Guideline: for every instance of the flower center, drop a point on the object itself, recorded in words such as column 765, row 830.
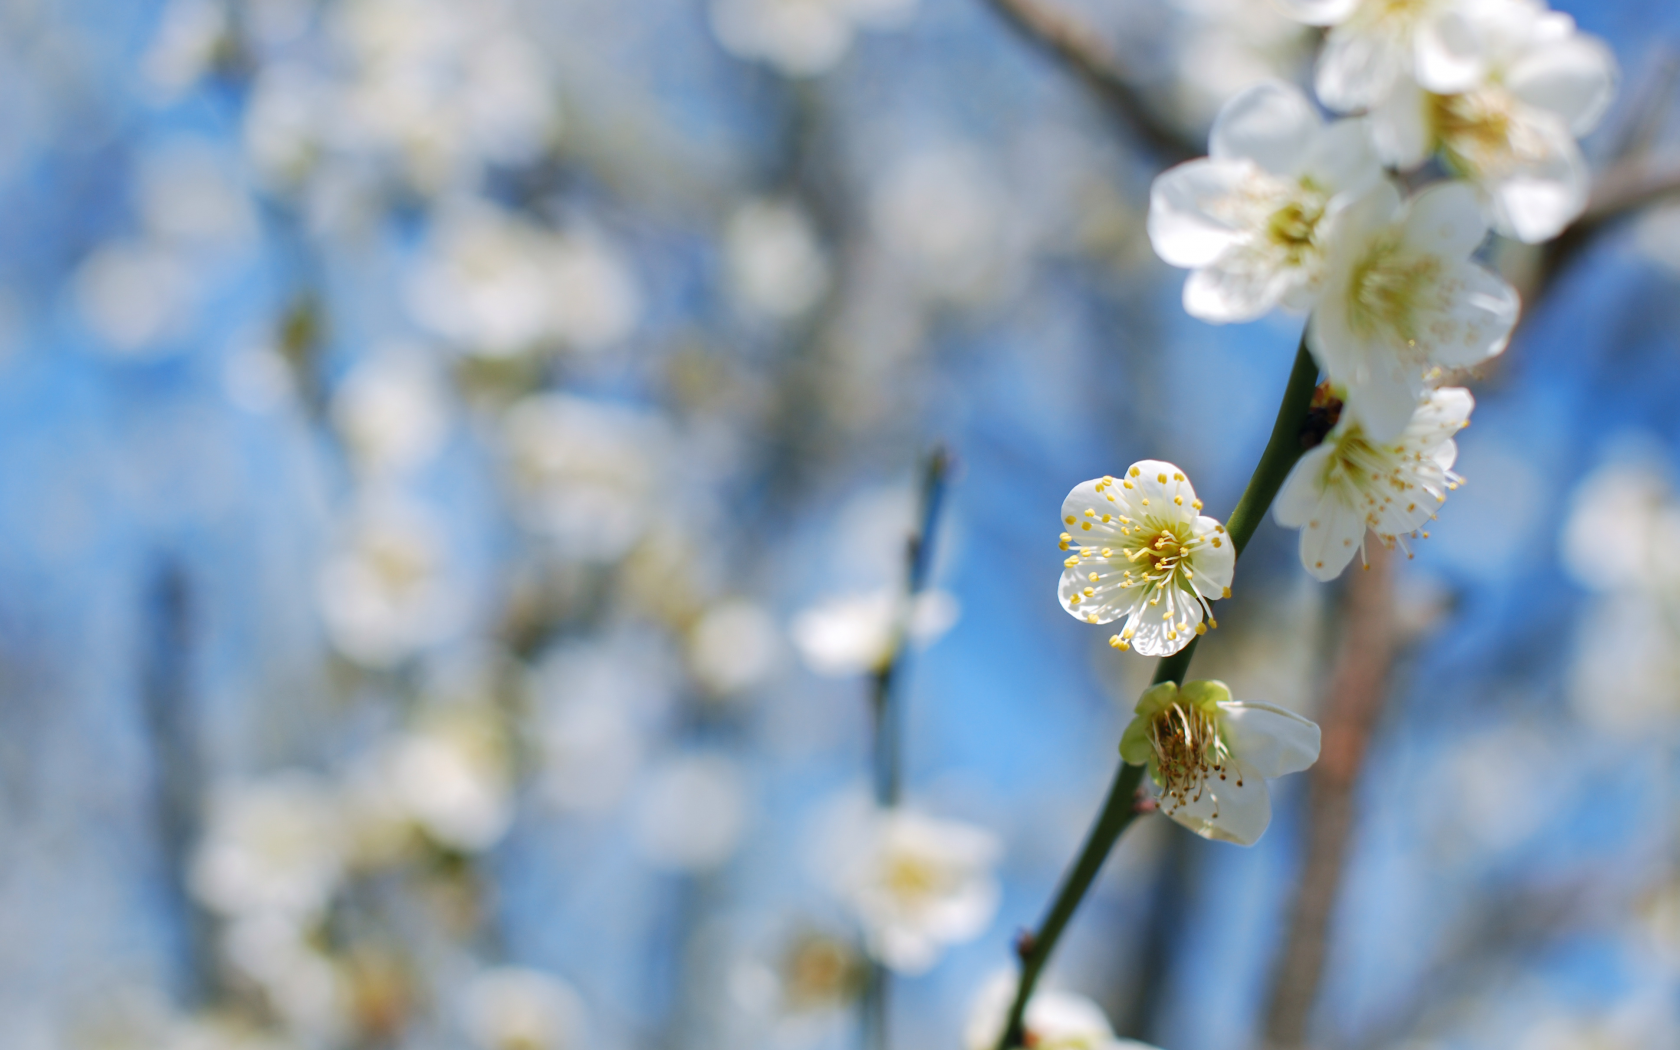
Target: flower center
column 1188, row 749
column 1387, row 288
column 1291, row 227
column 1482, row 131
column 912, row 878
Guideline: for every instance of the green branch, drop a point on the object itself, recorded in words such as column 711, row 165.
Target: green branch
column 1280, row 455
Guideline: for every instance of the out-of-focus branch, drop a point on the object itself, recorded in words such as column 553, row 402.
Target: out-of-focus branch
column 1353, row 703
column 1079, row 47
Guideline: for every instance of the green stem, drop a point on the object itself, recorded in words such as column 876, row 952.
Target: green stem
column 1280, row 455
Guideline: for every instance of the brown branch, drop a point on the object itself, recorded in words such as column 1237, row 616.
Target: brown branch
column 1086, row 54
column 1353, row 703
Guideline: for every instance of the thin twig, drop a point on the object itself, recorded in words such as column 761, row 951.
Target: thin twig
column 1084, row 52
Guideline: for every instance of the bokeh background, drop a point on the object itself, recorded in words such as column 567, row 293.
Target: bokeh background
column 469, row 447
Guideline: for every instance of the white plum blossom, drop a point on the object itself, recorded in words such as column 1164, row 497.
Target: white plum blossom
column 512, row 1008
column 272, row 846
column 386, row 593
column 854, row 634
column 776, row 264
column 1377, row 46
column 1253, row 219
column 1054, row 1020
column 1511, row 130
column 1402, row 297
column 1140, row 548
column 1210, row 756
column 916, row 883
column 1349, row 483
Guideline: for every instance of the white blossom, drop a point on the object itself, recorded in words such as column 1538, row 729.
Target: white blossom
column 1375, row 46
column 801, row 37
column 1053, row 1020
column 385, row 594
column 1511, row 130
column 776, row 266
column 450, row 776
column 393, row 411
column 1403, row 297
column 1349, row 483
column 1253, row 218
column 917, row 884
column 1210, row 756
column 271, row 846
column 853, row 634
column 513, row 1008
column 1141, row 549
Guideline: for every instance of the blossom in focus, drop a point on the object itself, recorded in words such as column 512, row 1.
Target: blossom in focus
column 916, row 883
column 1140, row 548
column 1054, row 1020
column 1511, row 131
column 1210, row 756
column 1402, row 297
column 1375, row 46
column 801, row 37
column 1349, row 483
column 512, row 1008
column 1252, row 219
column 853, row 635
column 270, row 846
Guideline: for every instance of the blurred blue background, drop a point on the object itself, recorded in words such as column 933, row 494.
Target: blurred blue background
column 432, row 435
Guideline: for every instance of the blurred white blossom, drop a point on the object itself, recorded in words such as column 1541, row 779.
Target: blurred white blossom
column 854, row 634
column 1141, row 549
column 777, row 268
column 733, row 647
column 450, row 775
column 942, row 214
column 385, row 594
column 1054, row 1019
column 273, row 845
column 393, row 410
column 801, row 37
column 917, row 884
column 138, row 296
column 512, row 1008
column 1210, row 756
column 1222, row 47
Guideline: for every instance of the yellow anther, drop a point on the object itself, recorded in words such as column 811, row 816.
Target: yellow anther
column 1070, row 519
column 1213, row 623
column 1179, row 500
column 1108, row 479
column 1090, row 617
column 1134, row 472
column 1217, row 542
column 1146, row 501
column 1076, row 599
column 1089, row 513
column 1127, row 484
column 1085, row 525
column 1066, row 537
column 1105, row 519
column 1177, row 476
column 1071, row 561
column 1162, row 478
column 1108, row 552
column 1089, row 591
column 1225, row 592
column 1093, row 577
column 1196, row 503
column 1201, row 628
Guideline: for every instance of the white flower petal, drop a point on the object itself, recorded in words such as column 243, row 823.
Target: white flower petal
column 1330, row 537
column 1239, row 288
column 1297, row 500
column 1271, row 740
column 1183, row 225
column 1534, row 202
column 1574, row 78
column 1236, row 809
column 1343, row 158
column 1471, row 322
column 1317, row 12
column 1384, row 402
column 1271, row 124
column 1156, row 635
column 1358, row 69
column 1400, row 126
column 1447, row 54
column 1215, row 562
column 1445, row 220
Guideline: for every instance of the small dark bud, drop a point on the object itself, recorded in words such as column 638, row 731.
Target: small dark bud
column 1322, row 416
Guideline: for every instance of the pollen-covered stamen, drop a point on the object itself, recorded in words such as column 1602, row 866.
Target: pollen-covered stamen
column 1188, row 750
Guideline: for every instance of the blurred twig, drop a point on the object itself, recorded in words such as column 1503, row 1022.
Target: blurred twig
column 166, row 698
column 1087, row 55
column 1353, row 702
column 888, row 712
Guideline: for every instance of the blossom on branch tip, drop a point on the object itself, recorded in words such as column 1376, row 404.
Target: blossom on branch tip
column 1376, row 46
column 1350, row 483
column 1210, row 756
column 1139, row 547
column 1251, row 219
column 1402, row 297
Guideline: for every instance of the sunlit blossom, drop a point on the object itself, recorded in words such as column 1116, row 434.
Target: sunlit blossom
column 1374, row 46
column 385, row 594
column 1139, row 548
column 1210, row 756
column 1402, row 297
column 1252, row 219
column 854, row 634
column 801, row 37
column 776, row 266
column 1350, row 483
column 270, row 845
column 513, row 1008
